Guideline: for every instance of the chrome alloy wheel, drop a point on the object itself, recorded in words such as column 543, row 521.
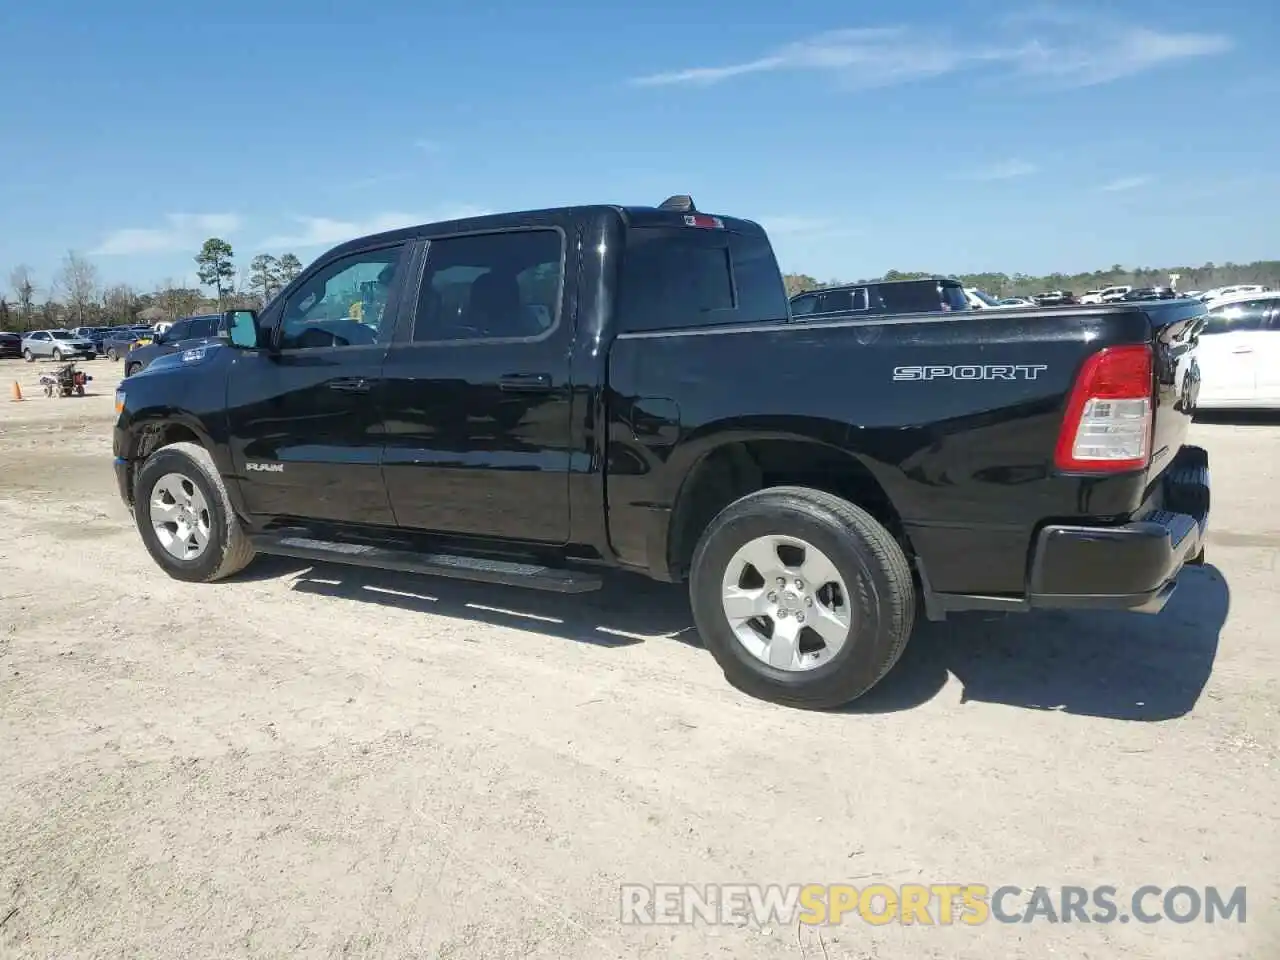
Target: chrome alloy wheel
column 180, row 516
column 787, row 603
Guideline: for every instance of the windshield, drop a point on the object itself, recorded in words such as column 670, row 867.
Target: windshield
column 61, row 335
column 985, row 298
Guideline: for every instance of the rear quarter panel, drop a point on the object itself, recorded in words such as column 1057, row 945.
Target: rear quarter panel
column 965, row 455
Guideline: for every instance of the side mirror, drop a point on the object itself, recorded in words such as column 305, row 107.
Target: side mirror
column 239, row 328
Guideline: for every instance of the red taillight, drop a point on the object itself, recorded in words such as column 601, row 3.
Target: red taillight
column 1107, row 427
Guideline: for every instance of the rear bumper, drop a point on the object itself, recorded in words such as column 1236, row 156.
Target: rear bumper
column 1133, row 566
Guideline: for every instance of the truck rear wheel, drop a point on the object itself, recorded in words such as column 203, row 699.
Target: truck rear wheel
column 803, row 598
column 185, row 518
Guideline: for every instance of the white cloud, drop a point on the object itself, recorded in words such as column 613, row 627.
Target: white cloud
column 326, row 231
column 1005, row 170
column 181, row 230
column 1125, row 183
column 1091, row 52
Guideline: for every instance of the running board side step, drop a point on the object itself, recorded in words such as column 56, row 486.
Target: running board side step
column 509, row 573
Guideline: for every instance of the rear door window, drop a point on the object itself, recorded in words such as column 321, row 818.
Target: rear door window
column 674, row 277
column 916, row 297
column 843, row 301
column 1248, row 315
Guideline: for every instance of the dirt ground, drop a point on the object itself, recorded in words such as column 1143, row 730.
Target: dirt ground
column 321, row 762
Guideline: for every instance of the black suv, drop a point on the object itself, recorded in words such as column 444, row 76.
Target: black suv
column 183, row 335
column 929, row 295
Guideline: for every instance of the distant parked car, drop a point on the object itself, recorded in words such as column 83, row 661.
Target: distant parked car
column 1054, row 298
column 94, row 335
column 1239, row 353
column 1220, row 293
column 929, row 295
column 10, row 344
column 1112, row 294
column 1150, row 293
column 981, row 300
column 56, row 345
column 119, row 342
column 1017, row 302
column 182, row 335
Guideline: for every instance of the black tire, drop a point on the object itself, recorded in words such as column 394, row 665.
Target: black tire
column 229, row 549
column 57, row 355
column 866, row 554
column 28, row 356
column 132, row 368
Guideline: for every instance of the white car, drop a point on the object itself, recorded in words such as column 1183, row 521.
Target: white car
column 981, row 300
column 1112, row 294
column 1239, row 353
column 57, row 345
column 1222, row 293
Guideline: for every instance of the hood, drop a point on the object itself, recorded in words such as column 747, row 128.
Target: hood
column 194, row 357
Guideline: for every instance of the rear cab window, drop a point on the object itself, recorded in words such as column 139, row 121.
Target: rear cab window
column 676, row 277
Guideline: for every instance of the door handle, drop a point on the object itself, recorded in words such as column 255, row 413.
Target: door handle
column 349, row 385
column 525, row 383
column 1243, row 350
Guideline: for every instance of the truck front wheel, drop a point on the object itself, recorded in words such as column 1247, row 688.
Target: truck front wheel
column 185, row 518
column 803, row 598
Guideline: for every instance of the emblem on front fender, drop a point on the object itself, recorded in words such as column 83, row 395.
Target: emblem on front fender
column 265, row 467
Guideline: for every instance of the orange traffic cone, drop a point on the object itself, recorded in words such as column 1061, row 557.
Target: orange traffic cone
column 17, row 392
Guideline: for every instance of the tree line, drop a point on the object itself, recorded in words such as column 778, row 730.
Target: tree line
column 77, row 296
column 1204, row 277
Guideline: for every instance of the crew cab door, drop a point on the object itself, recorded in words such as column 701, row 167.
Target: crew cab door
column 478, row 390
column 1267, row 389
column 1229, row 352
column 305, row 417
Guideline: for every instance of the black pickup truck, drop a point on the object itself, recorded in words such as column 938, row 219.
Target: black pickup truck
column 528, row 398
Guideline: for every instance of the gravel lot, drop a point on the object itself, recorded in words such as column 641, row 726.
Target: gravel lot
column 321, row 762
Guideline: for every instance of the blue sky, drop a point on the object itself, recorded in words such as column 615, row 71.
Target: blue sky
column 950, row 136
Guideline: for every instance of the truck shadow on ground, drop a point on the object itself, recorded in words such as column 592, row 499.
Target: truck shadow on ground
column 1110, row 665
column 629, row 610
column 1119, row 666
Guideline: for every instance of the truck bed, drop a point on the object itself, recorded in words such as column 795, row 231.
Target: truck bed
column 954, row 415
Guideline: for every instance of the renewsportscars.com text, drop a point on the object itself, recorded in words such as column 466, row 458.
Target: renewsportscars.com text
column 941, row 904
